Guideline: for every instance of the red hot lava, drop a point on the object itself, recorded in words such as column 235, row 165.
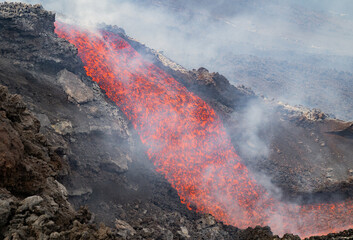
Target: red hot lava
column 188, row 144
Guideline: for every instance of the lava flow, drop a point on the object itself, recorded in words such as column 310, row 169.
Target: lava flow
column 187, row 142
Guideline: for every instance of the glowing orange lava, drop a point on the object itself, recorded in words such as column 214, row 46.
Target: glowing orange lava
column 187, row 142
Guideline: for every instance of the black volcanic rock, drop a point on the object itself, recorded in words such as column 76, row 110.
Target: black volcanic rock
column 28, row 39
column 26, row 161
column 33, row 204
column 27, row 20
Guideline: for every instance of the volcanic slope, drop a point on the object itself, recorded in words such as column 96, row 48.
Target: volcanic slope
column 142, row 198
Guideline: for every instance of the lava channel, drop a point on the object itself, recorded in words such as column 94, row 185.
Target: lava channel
column 188, row 144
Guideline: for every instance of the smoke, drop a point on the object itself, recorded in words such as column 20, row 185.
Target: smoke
column 255, row 118
column 254, row 131
column 179, row 28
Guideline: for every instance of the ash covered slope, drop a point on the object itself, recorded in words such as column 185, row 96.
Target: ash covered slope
column 107, row 172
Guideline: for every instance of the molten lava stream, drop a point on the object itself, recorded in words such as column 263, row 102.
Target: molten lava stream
column 188, row 144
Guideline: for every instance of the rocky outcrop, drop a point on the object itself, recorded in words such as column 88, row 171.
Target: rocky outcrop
column 27, row 160
column 33, row 204
column 28, row 39
column 74, row 87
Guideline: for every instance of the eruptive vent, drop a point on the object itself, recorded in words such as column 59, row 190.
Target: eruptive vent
column 187, row 142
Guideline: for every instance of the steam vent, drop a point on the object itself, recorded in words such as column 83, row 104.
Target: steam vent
column 102, row 137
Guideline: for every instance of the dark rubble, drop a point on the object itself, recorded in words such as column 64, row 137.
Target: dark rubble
column 65, row 148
